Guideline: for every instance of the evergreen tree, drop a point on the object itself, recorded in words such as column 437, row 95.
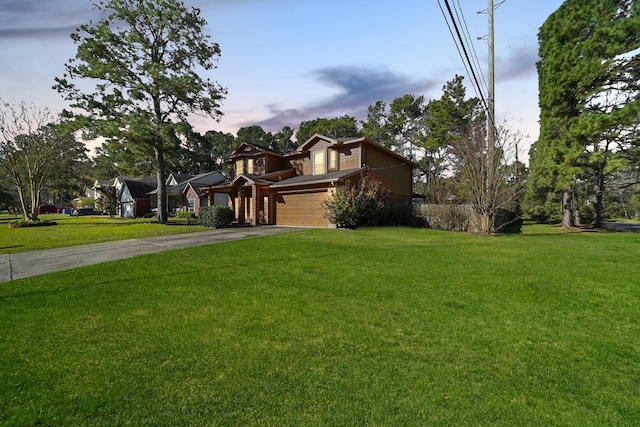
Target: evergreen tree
column 589, row 107
column 142, row 57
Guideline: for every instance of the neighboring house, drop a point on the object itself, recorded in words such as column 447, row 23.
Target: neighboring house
column 99, row 185
column 133, row 195
column 179, row 200
column 268, row 187
column 196, row 193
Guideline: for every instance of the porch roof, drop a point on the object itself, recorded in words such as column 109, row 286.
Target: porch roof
column 317, row 179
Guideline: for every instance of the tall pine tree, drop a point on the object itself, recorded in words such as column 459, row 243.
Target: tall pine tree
column 588, row 81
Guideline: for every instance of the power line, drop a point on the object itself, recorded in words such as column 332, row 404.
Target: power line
column 468, row 64
column 460, row 15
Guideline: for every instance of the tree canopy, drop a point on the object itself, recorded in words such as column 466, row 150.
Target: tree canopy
column 589, row 101
column 35, row 153
column 143, row 59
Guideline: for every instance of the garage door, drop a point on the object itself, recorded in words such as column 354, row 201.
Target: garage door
column 303, row 209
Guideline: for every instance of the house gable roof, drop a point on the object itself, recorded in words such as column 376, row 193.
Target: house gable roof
column 309, row 143
column 203, row 180
column 247, row 148
column 138, row 189
column 332, row 141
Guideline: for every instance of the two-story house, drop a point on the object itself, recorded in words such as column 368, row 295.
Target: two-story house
column 268, row 187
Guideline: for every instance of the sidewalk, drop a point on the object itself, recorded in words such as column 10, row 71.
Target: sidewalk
column 28, row 264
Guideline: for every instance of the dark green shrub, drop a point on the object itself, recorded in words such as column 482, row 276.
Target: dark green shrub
column 215, row 216
column 365, row 203
column 182, row 214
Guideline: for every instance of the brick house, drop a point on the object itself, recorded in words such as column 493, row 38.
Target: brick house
column 268, row 187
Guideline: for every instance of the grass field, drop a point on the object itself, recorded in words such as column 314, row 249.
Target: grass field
column 72, row 231
column 380, row 326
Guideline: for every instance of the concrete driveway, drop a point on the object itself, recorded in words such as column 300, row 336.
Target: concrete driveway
column 28, row 264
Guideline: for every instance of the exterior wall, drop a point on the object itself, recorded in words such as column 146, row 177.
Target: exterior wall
column 142, row 206
column 191, row 193
column 301, row 209
column 126, row 210
column 395, row 176
column 349, row 158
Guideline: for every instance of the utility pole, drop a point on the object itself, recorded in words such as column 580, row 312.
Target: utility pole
column 491, row 131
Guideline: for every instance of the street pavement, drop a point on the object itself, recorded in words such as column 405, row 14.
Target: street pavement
column 28, row 264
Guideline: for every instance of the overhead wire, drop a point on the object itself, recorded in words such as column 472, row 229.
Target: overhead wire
column 464, row 55
column 474, row 54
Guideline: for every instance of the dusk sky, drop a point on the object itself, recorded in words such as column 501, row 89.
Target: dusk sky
column 285, row 61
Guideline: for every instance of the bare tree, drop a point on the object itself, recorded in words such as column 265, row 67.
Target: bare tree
column 482, row 176
column 27, row 150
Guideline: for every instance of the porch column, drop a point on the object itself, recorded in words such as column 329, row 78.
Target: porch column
column 256, row 204
column 240, row 206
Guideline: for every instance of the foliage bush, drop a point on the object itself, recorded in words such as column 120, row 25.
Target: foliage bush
column 365, row 203
column 182, row 214
column 216, row 216
column 447, row 216
column 108, row 203
column 83, row 202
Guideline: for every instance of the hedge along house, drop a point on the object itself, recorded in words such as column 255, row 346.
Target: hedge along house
column 268, row 187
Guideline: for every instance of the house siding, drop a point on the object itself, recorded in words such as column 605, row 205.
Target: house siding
column 349, row 158
column 395, row 176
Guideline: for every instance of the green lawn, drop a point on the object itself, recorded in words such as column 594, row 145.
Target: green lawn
column 71, row 231
column 380, row 326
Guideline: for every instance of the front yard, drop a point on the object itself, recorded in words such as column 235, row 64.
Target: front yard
column 387, row 326
column 72, row 231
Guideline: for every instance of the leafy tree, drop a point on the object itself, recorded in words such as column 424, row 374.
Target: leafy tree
column 375, row 128
column 362, row 203
column 8, row 196
column 482, row 176
column 72, row 171
column 589, row 101
column 406, row 123
column 143, row 56
column 447, row 119
column 206, row 153
column 337, row 127
column 108, row 202
column 282, row 141
column 31, row 151
column 254, row 135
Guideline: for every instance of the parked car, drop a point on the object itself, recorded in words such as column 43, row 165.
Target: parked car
column 84, row 211
column 47, row 209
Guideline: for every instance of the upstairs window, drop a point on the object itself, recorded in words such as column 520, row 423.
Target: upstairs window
column 333, row 160
column 239, row 167
column 318, row 158
column 250, row 166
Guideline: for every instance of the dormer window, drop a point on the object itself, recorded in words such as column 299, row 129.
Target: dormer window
column 319, row 159
column 333, row 160
column 250, row 166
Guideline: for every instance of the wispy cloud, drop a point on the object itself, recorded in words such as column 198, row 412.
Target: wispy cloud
column 37, row 18
column 358, row 89
column 521, row 64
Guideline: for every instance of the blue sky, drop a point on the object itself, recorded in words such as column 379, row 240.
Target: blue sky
column 285, row 61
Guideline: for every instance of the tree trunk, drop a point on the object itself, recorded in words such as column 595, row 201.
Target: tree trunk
column 567, row 218
column 576, row 209
column 23, row 204
column 162, row 186
column 598, row 208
